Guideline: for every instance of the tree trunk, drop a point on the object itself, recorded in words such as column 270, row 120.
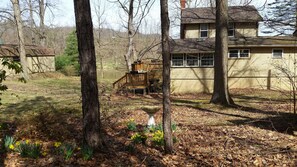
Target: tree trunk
column 221, row 93
column 129, row 56
column 41, row 24
column 166, row 77
column 31, row 21
column 22, row 51
column 89, row 88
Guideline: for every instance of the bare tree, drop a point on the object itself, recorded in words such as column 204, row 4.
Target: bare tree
column 99, row 11
column 19, row 25
column 89, row 88
column 166, row 77
column 136, row 11
column 221, row 92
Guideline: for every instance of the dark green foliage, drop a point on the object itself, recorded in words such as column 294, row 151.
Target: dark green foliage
column 71, row 45
column 68, row 62
column 87, row 152
column 30, row 150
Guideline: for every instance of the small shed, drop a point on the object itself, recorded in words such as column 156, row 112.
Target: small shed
column 39, row 59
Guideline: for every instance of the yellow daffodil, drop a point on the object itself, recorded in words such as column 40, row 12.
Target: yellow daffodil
column 57, row 144
column 27, row 141
column 11, row 146
column 17, row 143
column 44, row 153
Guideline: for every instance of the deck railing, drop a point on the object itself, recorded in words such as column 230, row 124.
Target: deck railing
column 133, row 80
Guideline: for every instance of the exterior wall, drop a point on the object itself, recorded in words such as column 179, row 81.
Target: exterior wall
column 191, row 31
column 41, row 64
column 241, row 29
column 246, row 29
column 36, row 64
column 257, row 71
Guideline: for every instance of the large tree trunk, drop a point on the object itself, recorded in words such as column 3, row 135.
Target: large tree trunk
column 166, row 77
column 129, row 56
column 89, row 88
column 221, row 93
column 22, row 51
column 42, row 36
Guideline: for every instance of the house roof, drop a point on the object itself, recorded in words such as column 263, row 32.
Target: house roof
column 246, row 13
column 208, row 45
column 12, row 50
column 192, row 45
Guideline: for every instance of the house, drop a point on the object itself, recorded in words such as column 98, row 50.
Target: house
column 253, row 60
column 39, row 59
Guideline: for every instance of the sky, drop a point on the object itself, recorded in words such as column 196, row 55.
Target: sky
column 113, row 17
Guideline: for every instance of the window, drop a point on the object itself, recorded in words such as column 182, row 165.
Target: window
column 177, row 60
column 203, row 30
column 16, row 58
column 277, row 53
column 239, row 53
column 231, row 30
column 206, row 59
column 233, row 53
column 192, row 60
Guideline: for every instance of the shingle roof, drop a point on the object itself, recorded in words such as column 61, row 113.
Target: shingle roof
column 11, row 50
column 208, row 45
column 192, row 45
column 207, row 15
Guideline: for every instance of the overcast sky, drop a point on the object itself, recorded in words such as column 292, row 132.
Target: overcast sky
column 64, row 14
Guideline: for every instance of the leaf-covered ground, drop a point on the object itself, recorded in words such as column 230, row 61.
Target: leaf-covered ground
column 260, row 131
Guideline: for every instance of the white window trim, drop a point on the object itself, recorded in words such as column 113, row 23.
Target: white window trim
column 185, row 64
column 277, row 57
column 204, row 30
column 238, row 54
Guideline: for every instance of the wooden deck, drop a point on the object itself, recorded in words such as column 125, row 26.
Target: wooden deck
column 139, row 79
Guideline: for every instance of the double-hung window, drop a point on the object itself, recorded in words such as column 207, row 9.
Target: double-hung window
column 231, row 30
column 239, row 53
column 177, row 60
column 277, row 53
column 206, row 60
column 192, row 60
column 203, row 30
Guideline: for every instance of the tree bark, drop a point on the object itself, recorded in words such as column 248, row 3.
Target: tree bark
column 129, row 56
column 221, row 93
column 22, row 51
column 31, row 10
column 166, row 77
column 89, row 88
column 42, row 36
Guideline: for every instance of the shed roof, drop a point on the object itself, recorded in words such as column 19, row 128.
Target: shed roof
column 246, row 13
column 208, row 45
column 12, row 50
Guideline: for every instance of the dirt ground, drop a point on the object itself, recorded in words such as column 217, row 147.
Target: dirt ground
column 260, row 131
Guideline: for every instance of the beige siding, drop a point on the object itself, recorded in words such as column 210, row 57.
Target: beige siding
column 241, row 29
column 258, row 71
column 36, row 64
column 191, row 31
column 41, row 64
column 246, row 29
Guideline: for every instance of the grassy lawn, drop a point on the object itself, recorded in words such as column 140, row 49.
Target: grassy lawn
column 260, row 131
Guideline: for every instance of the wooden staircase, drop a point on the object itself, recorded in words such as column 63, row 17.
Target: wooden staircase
column 132, row 81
